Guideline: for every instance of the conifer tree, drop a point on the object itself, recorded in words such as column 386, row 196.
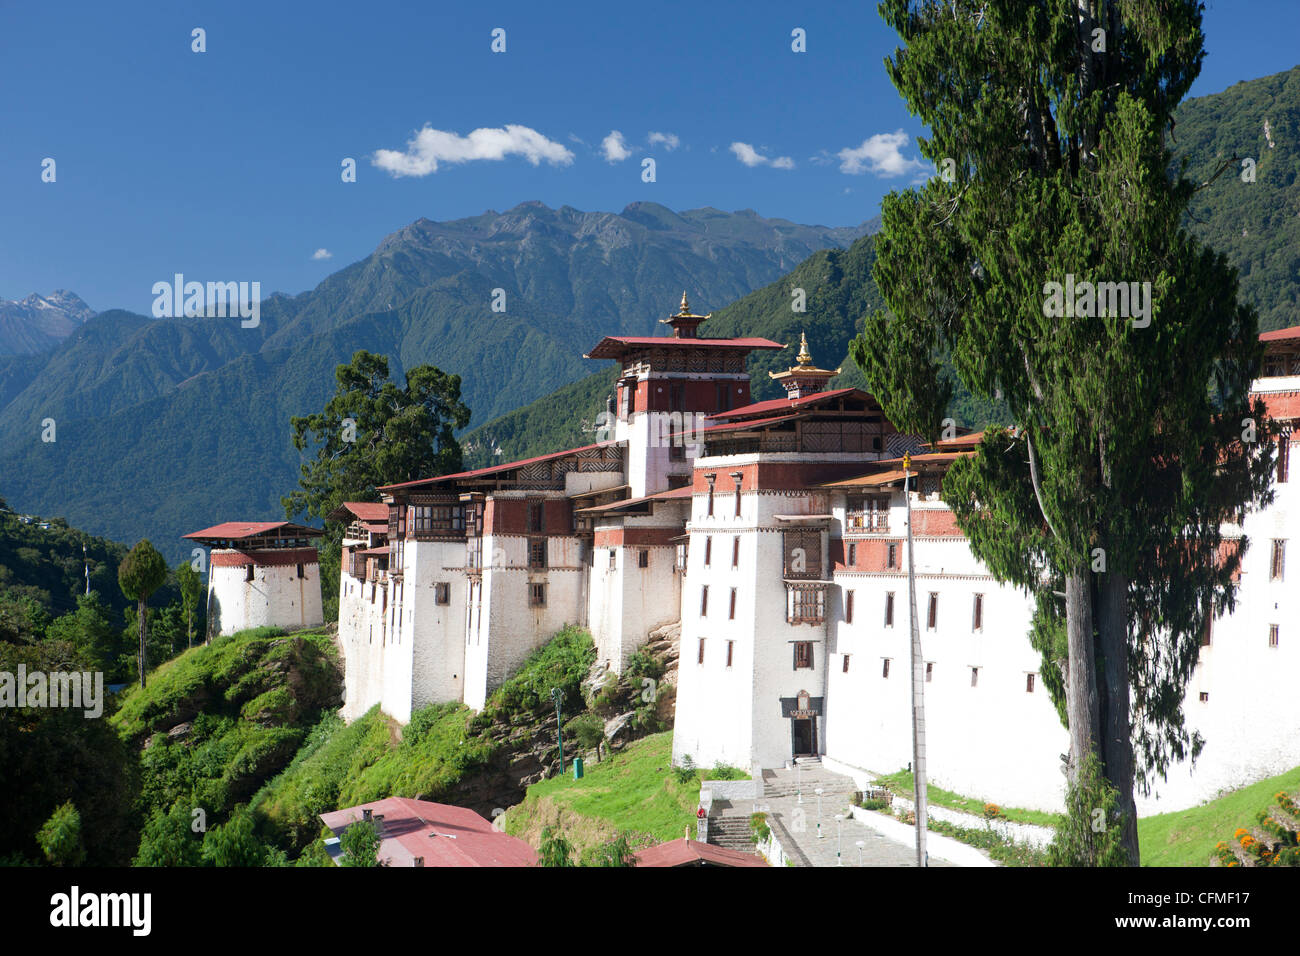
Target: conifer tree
column 1134, row 434
column 142, row 572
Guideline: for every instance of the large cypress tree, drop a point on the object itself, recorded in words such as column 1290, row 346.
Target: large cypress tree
column 1134, row 436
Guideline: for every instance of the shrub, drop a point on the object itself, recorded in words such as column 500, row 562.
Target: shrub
column 642, row 665
column 1078, row 842
column 60, row 837
column 873, row 803
column 685, row 772
column 722, row 771
column 360, row 844
column 561, row 662
column 554, row 849
column 758, row 827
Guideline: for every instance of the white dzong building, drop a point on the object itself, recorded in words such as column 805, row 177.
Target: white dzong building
column 774, row 533
column 261, row 574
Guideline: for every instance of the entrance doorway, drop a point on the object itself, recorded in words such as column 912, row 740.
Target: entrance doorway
column 803, row 734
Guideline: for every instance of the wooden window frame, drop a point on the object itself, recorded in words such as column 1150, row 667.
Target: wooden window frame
column 932, row 612
column 731, row 612
column 735, row 551
column 848, row 607
column 442, row 593
column 889, row 609
column 704, row 600
column 977, row 613
column 536, row 595
column 803, row 655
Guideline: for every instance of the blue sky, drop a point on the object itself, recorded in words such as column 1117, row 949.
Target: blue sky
column 225, row 165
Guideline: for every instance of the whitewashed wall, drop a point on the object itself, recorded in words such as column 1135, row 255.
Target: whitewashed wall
column 276, row 597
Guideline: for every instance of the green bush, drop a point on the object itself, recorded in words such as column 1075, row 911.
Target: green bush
column 562, row 662
column 758, row 827
column 685, row 771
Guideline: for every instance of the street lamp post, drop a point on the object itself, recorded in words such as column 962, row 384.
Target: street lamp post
column 819, row 791
column 860, row 845
column 839, row 826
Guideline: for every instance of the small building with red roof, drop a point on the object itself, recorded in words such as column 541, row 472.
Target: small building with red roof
column 421, row 833
column 686, row 852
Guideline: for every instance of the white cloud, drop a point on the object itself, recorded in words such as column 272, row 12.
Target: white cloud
column 669, row 140
column 322, row 254
column 880, row 155
column 615, row 147
column 752, row 157
column 431, row 146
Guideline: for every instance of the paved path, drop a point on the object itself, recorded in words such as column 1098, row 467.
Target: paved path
column 795, row 822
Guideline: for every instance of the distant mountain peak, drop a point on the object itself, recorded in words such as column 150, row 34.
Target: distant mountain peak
column 39, row 322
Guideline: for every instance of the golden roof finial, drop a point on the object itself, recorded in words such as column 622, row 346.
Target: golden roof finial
column 686, row 308
column 804, row 358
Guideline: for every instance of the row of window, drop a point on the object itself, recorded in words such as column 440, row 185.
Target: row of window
column 248, row 572
column 1030, row 678
column 735, row 477
column 708, row 551
column 803, row 653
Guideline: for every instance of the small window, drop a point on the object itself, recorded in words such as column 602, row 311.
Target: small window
column 853, row 556
column 735, row 551
column 731, row 612
column 1277, row 569
column 301, row 574
column 845, row 667
column 534, row 516
column 537, row 595
column 889, row 609
column 700, row 656
column 892, row 559
column 977, row 613
column 737, row 498
column 974, row 676
column 731, row 646
column 803, row 655
column 1272, row 635
column 932, row 617
column 537, row 553
column 1029, row 683
column 708, row 550
column 613, row 558
column 884, row 670
column 929, row 671
column 676, row 450
column 442, row 592
column 710, row 479
column 643, row 558
column 248, row 573
column 704, row 601
column 848, row 607
column 1205, row 697
column 1283, row 458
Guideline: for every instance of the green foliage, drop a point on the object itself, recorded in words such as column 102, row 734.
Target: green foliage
column 141, row 573
column 47, row 565
column 90, row 629
column 169, row 839
column 333, row 755
column 191, row 586
column 759, row 829
column 641, row 665
column 52, row 755
column 723, row 771
column 1092, row 832
column 616, row 852
column 587, row 731
column 686, row 771
column 360, row 844
column 235, row 842
column 60, row 837
column 554, row 850
column 562, row 662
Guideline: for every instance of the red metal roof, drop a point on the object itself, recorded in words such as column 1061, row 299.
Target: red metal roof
column 493, row 469
column 364, row 510
column 442, row 834
column 247, row 529
column 612, row 346
column 1281, row 335
column 694, row 853
column 784, row 404
column 684, row 492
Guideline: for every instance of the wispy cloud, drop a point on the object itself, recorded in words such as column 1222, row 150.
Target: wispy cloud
column 431, row 146
column 882, row 156
column 614, row 147
column 751, row 157
column 669, row 140
column 322, row 254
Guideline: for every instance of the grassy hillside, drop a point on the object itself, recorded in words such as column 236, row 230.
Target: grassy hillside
column 1189, row 837
column 633, row 791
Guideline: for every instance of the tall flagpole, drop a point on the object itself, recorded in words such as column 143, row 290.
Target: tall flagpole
column 918, row 680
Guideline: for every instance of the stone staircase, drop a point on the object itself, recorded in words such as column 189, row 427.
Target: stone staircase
column 729, row 827
column 806, row 777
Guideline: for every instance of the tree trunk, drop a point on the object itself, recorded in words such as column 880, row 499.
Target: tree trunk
column 1081, row 700
column 1116, row 734
column 140, row 616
